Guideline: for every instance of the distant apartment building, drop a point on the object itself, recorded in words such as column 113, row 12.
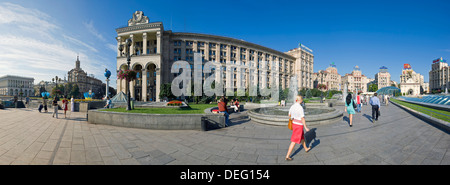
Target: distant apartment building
column 356, row 81
column 439, row 75
column 410, row 82
column 329, row 77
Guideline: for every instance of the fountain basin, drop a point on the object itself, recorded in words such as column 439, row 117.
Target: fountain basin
column 314, row 115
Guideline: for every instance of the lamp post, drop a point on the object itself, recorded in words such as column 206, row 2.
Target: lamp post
column 107, row 75
column 56, row 81
column 128, row 55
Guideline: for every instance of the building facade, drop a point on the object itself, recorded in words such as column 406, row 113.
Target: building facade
column 383, row 78
column 356, row 81
column 329, row 77
column 304, row 66
column 84, row 81
column 11, row 85
column 155, row 50
column 439, row 75
column 410, row 81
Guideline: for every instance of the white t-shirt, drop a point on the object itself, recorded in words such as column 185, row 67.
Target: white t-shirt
column 297, row 113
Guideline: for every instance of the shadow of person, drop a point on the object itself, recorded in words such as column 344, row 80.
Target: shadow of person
column 368, row 117
column 310, row 140
column 346, row 119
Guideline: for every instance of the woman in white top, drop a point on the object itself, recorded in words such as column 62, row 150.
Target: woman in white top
column 72, row 104
column 297, row 115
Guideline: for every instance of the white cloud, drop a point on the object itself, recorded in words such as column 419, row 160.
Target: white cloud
column 113, row 47
column 33, row 44
column 80, row 43
column 90, row 27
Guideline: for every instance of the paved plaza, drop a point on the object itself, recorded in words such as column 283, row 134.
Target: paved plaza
column 30, row 137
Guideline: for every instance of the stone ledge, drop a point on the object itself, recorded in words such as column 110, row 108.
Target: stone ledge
column 157, row 121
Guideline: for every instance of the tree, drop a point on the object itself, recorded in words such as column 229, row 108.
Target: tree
column 75, row 92
column 373, row 88
column 166, row 91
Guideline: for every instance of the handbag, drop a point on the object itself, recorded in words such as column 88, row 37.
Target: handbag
column 354, row 105
column 290, row 124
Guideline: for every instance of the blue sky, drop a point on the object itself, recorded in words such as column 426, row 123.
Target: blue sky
column 41, row 38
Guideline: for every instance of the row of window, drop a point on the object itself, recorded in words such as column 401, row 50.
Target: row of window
column 222, row 46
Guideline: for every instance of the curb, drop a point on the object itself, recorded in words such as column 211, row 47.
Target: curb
column 443, row 125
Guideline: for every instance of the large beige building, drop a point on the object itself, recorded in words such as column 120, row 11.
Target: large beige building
column 304, row 66
column 439, row 75
column 155, row 50
column 84, row 81
column 410, row 81
column 329, row 77
column 11, row 85
column 383, row 78
column 356, row 81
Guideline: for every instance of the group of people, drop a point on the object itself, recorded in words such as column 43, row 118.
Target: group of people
column 351, row 105
column 297, row 115
column 222, row 106
column 54, row 103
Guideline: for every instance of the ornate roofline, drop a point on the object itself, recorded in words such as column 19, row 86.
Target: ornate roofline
column 139, row 27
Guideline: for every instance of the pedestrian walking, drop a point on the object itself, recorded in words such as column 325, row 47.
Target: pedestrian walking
column 297, row 114
column 44, row 102
column 72, row 104
column 375, row 102
column 55, row 107
column 358, row 102
column 350, row 108
column 27, row 101
column 65, row 106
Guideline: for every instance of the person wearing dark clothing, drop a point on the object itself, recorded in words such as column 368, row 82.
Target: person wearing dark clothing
column 375, row 102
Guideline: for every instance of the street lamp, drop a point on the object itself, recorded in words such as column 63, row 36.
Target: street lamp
column 56, row 79
column 128, row 55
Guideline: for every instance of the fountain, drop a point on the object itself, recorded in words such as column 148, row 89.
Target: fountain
column 314, row 114
column 344, row 92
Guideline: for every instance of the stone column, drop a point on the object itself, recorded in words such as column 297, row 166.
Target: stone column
column 131, row 51
column 144, row 43
column 158, row 83
column 183, row 50
column 119, row 41
column 119, row 84
column 228, row 57
column 206, row 51
column 158, row 42
column 144, row 84
column 132, row 93
column 195, row 46
column 218, row 52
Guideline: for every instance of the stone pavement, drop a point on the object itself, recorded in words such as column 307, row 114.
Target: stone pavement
column 30, row 137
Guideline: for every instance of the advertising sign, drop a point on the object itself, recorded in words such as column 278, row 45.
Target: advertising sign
column 406, row 66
